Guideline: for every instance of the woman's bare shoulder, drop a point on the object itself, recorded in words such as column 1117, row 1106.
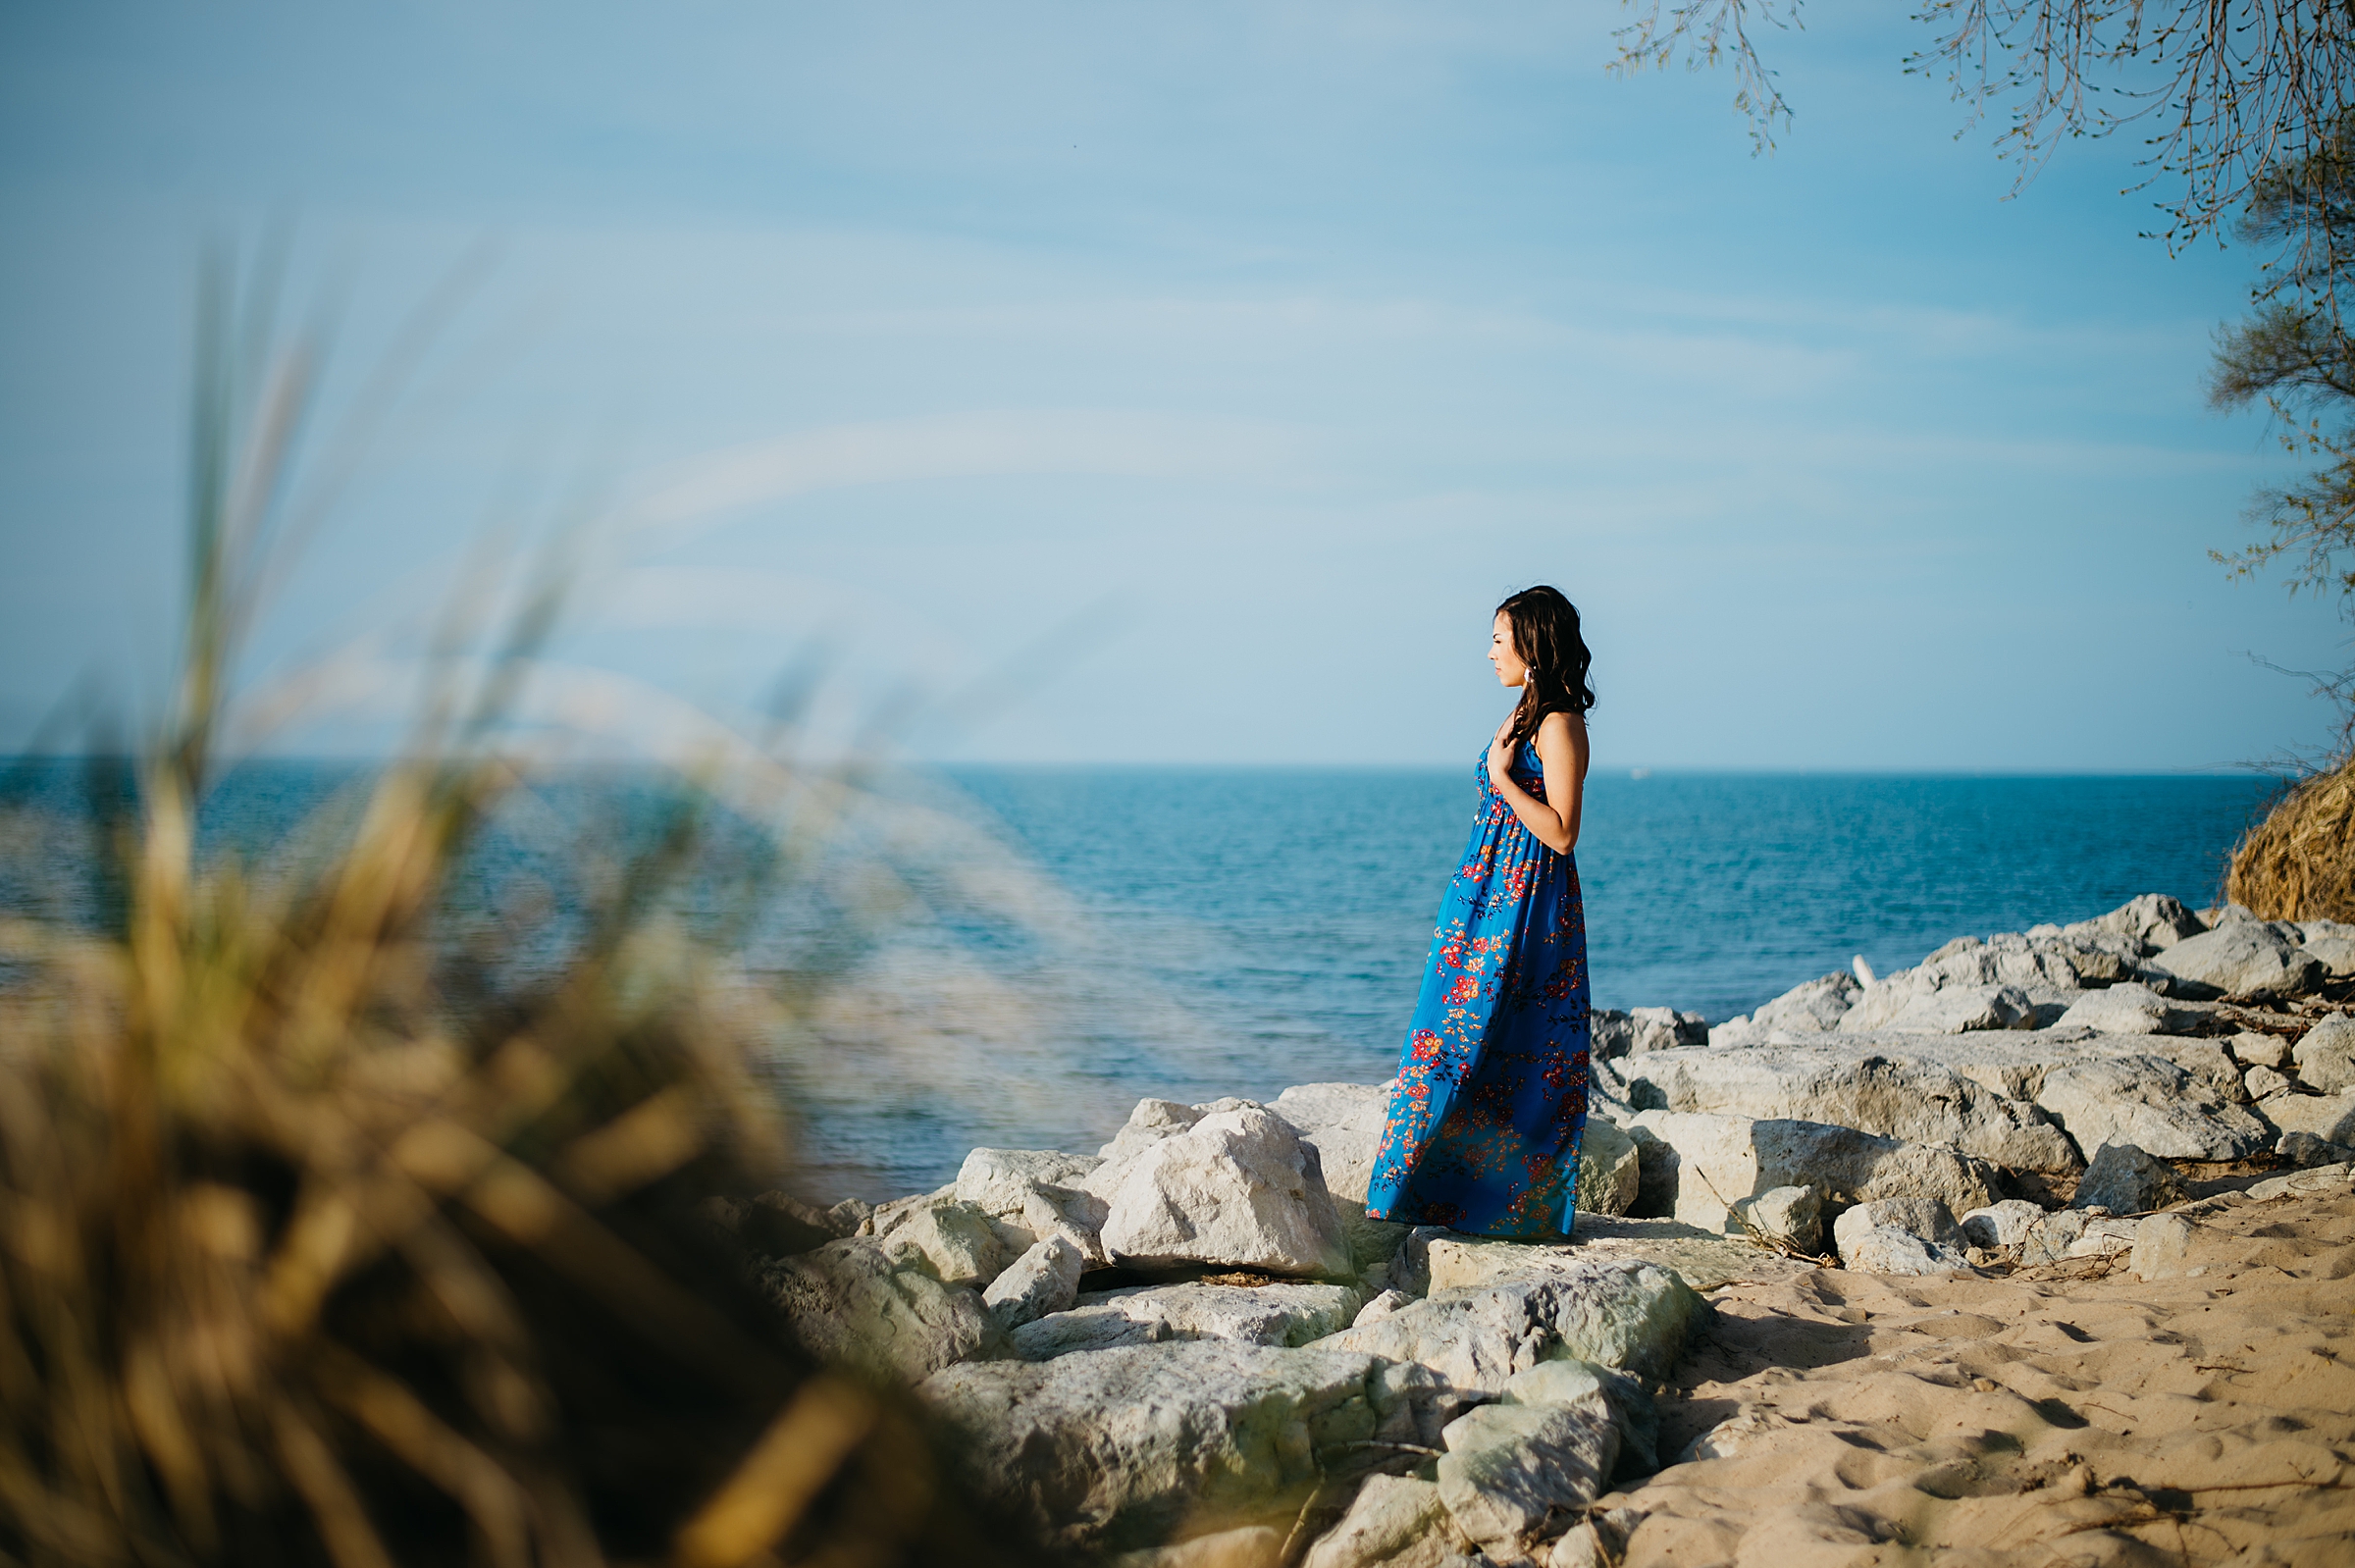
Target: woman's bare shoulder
column 1563, row 723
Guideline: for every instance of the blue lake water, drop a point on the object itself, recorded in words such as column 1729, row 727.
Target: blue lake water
column 1235, row 931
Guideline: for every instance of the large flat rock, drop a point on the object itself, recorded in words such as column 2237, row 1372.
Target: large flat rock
column 1288, row 1314
column 1702, row 1259
column 1630, row 1315
column 1127, row 1448
column 1895, row 1087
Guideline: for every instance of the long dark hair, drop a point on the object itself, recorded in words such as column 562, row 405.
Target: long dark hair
column 1545, row 637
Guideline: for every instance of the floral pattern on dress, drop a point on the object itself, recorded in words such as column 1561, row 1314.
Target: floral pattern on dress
column 1491, row 1104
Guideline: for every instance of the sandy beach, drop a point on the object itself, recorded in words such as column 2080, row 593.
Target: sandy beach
column 2069, row 1413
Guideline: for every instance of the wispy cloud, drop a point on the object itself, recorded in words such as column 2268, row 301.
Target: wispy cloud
column 705, row 491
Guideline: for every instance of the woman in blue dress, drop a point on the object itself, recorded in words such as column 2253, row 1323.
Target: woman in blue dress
column 1492, row 1093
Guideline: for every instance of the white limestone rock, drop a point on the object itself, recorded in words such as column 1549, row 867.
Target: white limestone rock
column 2329, row 1116
column 2077, row 1234
column 1632, row 1316
column 1395, row 1522
column 1886, row 1249
column 852, row 1301
column 2151, row 1104
column 1149, row 1122
column 2333, row 1179
column 1903, row 1092
column 2244, row 958
column 2325, row 1055
column 1898, row 1235
column 1345, row 1123
column 956, row 1242
column 1043, row 1279
column 2154, row 918
column 2126, row 1180
column 2129, row 1008
column 1265, row 1315
column 2256, row 1050
column 1034, row 1194
column 1815, row 1008
column 1515, row 1476
column 1716, row 1160
column 1613, row 1033
column 1122, row 1448
column 1582, row 1384
column 2162, row 1246
column 2331, row 944
column 2001, row 1225
column 1962, row 1009
column 1380, row 1307
column 1236, row 1188
column 1791, row 1216
column 2263, row 1083
column 1609, row 1168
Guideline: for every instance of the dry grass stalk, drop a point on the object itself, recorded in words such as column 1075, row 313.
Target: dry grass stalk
column 2299, row 863
column 318, row 1246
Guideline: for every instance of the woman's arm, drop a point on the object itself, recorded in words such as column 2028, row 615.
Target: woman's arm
column 1561, row 743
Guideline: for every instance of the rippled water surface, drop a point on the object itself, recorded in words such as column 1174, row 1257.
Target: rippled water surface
column 1235, row 931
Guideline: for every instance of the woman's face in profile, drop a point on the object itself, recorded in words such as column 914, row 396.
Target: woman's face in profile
column 1510, row 669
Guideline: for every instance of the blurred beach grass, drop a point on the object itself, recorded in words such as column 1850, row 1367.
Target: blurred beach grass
column 341, row 1227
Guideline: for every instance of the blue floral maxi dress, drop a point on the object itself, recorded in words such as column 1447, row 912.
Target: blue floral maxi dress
column 1491, row 1094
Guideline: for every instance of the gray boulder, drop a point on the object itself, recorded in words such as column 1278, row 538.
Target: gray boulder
column 2329, row 1117
column 1609, row 1170
column 1790, row 1216
column 1043, row 1279
column 854, row 1302
column 2331, row 944
column 1034, row 1194
column 2242, row 957
column 1634, row 1316
column 1715, row 1161
column 956, row 1242
column 2325, row 1055
column 1515, row 1476
column 1395, row 1522
column 1613, row 1033
column 1815, row 1008
column 2162, row 1246
column 2129, row 1009
column 2151, row 1103
column 1580, row 1384
column 2000, row 1225
column 1345, row 1123
column 2124, row 1179
column 2306, row 1151
column 1263, row 1315
column 2252, row 1049
column 1872, row 1087
column 2331, row 1179
column 1148, row 1123
column 2154, row 918
column 1962, row 1009
column 1124, row 1448
column 1236, row 1187
column 1900, row 1235
column 2077, row 1234
column 1885, row 1249
column 2263, row 1083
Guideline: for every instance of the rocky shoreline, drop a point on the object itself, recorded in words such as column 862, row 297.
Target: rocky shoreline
column 1190, row 1350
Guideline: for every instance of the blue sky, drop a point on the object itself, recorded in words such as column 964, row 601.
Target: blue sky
column 1210, row 370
